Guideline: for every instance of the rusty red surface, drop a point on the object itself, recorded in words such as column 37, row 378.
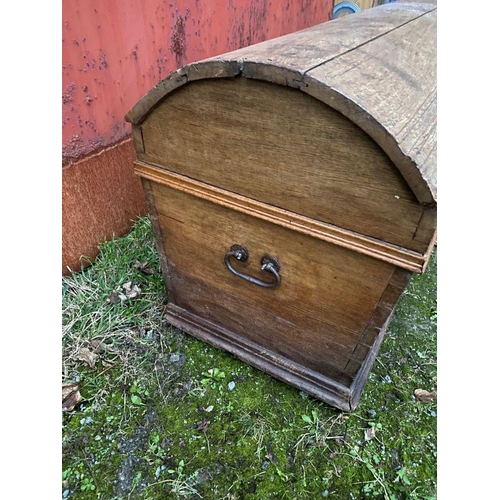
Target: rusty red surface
column 113, row 52
column 101, row 198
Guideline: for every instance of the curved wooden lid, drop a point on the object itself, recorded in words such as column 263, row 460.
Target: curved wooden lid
column 376, row 67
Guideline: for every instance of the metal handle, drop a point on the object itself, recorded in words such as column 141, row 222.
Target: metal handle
column 267, row 263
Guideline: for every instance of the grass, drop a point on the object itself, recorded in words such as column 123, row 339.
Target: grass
column 164, row 415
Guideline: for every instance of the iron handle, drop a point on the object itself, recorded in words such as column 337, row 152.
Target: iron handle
column 267, row 263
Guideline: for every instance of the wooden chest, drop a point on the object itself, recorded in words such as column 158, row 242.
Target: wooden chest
column 292, row 189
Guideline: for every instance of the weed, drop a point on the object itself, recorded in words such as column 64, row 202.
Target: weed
column 87, row 484
column 181, row 485
column 155, row 451
column 212, row 377
column 135, row 482
column 136, row 391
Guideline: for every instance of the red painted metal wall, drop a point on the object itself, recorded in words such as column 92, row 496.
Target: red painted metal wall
column 113, row 52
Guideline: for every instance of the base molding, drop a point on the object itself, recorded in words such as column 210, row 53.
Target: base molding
column 313, row 383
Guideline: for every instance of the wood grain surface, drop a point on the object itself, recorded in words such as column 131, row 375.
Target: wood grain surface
column 273, row 144
column 316, row 316
column 394, row 77
column 320, row 330
column 330, row 233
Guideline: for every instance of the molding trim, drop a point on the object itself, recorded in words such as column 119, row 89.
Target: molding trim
column 327, row 390
column 393, row 254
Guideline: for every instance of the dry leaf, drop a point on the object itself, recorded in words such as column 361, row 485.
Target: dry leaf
column 130, row 291
column 68, row 388
column 203, row 426
column 114, row 298
column 97, row 346
column 70, row 396
column 425, row 396
column 143, row 267
column 88, row 356
column 370, row 433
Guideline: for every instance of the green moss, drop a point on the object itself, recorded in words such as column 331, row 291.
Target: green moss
column 155, row 423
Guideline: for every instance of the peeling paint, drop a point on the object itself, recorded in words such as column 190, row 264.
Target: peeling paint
column 76, row 147
column 69, row 95
column 178, row 41
column 134, row 52
column 162, row 61
column 118, row 50
column 102, row 60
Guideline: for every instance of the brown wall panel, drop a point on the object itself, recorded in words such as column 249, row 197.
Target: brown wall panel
column 100, row 197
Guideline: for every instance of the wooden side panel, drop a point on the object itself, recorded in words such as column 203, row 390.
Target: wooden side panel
column 317, row 315
column 282, row 147
column 394, row 77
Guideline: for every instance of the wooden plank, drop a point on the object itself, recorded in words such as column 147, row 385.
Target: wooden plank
column 386, row 252
column 285, row 59
column 318, row 313
column 263, row 141
column 418, row 139
column 398, row 87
